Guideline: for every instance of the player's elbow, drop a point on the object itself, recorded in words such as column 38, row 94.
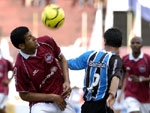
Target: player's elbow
column 23, row 96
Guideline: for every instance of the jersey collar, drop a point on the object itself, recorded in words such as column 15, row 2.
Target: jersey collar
column 26, row 56
column 136, row 59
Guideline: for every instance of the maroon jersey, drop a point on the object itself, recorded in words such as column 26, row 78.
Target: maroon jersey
column 40, row 72
column 5, row 66
column 138, row 67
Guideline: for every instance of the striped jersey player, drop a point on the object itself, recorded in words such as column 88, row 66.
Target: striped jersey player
column 103, row 69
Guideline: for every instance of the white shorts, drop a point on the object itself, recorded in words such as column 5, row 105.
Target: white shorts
column 117, row 105
column 51, row 108
column 132, row 104
column 3, row 100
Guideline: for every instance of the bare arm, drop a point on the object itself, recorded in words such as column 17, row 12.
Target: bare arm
column 64, row 67
column 112, row 92
column 33, row 97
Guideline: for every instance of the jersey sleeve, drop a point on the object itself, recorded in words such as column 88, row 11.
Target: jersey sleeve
column 22, row 81
column 149, row 63
column 115, row 66
column 79, row 62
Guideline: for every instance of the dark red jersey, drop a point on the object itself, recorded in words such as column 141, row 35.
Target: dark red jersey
column 5, row 66
column 40, row 72
column 138, row 67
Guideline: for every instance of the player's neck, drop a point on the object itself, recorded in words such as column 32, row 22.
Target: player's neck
column 136, row 54
column 113, row 49
column 29, row 52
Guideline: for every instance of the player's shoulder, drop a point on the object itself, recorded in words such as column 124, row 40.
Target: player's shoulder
column 45, row 39
column 146, row 55
column 116, row 56
column 18, row 60
column 125, row 57
column 5, row 60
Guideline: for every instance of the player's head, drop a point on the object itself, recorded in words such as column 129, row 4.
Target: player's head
column 22, row 39
column 113, row 37
column 17, row 36
column 136, row 44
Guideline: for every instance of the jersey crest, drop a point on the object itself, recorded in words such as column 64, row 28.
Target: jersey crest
column 48, row 58
column 142, row 68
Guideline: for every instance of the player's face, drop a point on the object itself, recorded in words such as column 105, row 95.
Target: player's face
column 136, row 45
column 30, row 42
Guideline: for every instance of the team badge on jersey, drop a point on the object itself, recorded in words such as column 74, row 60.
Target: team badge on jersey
column 142, row 69
column 48, row 58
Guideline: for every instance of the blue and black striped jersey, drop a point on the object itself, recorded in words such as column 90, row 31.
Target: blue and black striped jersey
column 100, row 67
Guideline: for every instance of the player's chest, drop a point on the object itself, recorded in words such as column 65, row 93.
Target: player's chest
column 138, row 67
column 40, row 65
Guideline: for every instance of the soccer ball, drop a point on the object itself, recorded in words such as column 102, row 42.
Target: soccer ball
column 53, row 16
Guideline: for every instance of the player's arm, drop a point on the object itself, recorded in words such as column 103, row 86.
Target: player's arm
column 9, row 70
column 79, row 62
column 64, row 67
column 135, row 78
column 33, row 97
column 116, row 73
column 143, row 79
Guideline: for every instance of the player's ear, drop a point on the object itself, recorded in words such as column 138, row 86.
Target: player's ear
column 104, row 41
column 21, row 46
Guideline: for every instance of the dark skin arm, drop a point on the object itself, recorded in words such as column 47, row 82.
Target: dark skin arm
column 30, row 96
column 139, row 79
column 64, row 67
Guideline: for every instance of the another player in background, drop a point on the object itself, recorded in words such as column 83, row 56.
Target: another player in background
column 5, row 67
column 103, row 69
column 41, row 73
column 136, row 80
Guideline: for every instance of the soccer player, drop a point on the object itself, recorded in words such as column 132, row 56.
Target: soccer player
column 5, row 67
column 41, row 73
column 103, row 70
column 136, row 80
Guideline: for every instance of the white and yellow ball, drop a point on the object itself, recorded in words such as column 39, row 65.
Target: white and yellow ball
column 53, row 16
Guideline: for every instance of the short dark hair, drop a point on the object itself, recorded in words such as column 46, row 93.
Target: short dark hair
column 17, row 35
column 113, row 37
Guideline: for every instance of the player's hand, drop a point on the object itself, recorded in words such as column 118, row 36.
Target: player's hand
column 60, row 102
column 110, row 101
column 5, row 82
column 66, row 90
column 134, row 78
